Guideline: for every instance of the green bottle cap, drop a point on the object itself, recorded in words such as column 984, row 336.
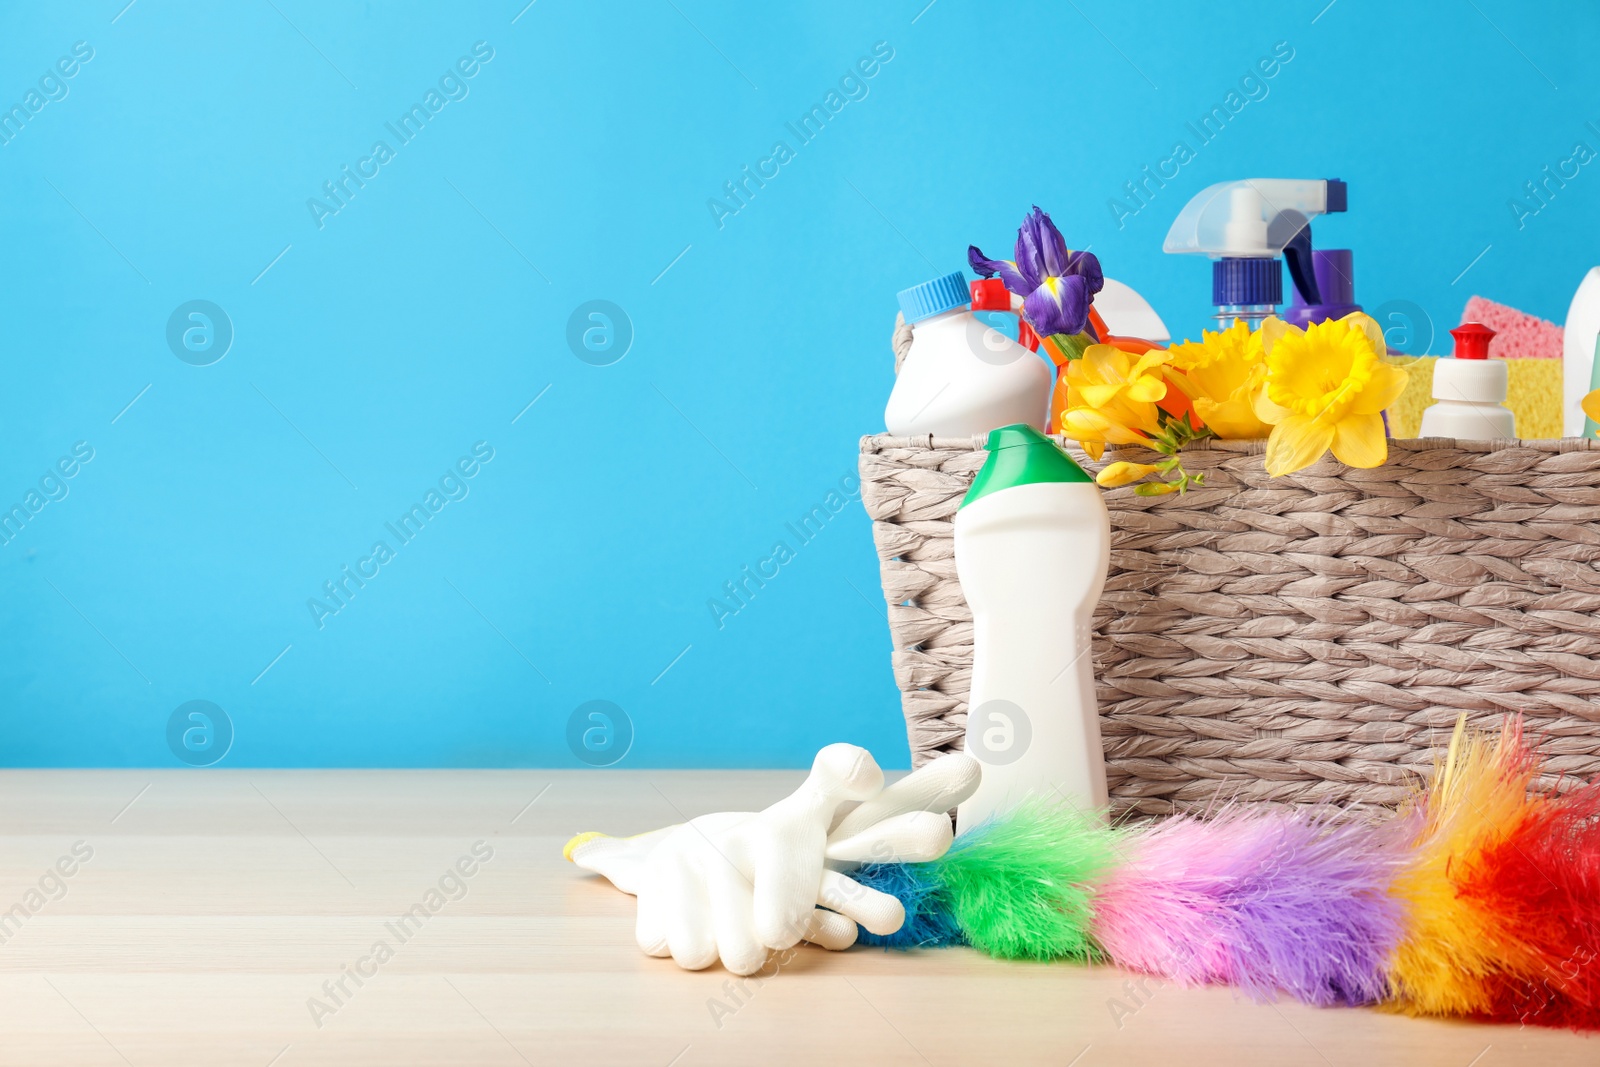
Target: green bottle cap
column 1021, row 455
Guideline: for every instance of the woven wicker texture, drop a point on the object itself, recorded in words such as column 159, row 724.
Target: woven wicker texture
column 1290, row 640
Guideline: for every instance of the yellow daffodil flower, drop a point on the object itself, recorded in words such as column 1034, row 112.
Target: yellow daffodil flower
column 1325, row 388
column 1112, row 398
column 1222, row 373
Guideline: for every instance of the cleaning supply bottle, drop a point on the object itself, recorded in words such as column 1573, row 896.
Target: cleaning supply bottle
column 1578, row 343
column 960, row 376
column 1470, row 391
column 1032, row 542
column 1591, row 429
column 1334, row 294
column 1243, row 227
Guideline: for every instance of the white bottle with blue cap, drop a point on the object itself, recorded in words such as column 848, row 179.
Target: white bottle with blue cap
column 961, row 376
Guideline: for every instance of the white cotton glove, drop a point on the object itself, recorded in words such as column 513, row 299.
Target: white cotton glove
column 738, row 884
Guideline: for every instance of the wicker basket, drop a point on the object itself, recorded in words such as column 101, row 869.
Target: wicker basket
column 1295, row 639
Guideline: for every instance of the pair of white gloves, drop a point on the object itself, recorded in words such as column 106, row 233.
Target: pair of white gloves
column 737, row 885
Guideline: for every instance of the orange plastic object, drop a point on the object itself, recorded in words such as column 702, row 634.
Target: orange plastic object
column 1098, row 324
column 1058, row 394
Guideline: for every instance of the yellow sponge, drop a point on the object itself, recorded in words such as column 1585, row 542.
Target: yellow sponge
column 1533, row 393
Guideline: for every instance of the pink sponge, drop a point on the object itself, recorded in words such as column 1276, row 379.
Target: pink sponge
column 1517, row 335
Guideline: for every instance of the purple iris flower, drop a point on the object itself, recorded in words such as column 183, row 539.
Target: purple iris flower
column 1056, row 284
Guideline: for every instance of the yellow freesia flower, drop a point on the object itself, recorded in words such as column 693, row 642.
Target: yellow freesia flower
column 1224, row 372
column 1325, row 388
column 1112, row 398
column 1122, row 472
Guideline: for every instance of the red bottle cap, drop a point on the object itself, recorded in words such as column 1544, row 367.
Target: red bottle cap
column 990, row 294
column 1472, row 340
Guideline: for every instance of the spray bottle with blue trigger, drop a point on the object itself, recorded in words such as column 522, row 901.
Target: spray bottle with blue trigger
column 1244, row 227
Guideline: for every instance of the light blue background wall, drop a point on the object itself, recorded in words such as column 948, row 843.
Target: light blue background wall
column 425, row 316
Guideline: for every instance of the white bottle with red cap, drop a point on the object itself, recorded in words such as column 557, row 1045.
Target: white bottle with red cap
column 1470, row 391
column 961, row 376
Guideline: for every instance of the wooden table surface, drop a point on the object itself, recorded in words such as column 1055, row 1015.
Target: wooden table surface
column 211, row 917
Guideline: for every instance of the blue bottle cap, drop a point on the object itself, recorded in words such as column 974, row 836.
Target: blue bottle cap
column 1238, row 282
column 935, row 298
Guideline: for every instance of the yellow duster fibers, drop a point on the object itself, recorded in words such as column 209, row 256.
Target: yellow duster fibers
column 1453, row 947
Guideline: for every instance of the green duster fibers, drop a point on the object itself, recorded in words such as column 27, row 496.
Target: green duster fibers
column 1021, row 886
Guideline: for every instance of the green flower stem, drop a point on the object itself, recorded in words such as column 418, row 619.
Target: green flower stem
column 1071, row 345
column 1175, row 433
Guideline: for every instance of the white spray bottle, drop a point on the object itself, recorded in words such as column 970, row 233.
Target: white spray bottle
column 1032, row 541
column 1243, row 227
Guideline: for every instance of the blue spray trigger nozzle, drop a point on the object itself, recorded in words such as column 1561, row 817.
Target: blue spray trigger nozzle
column 1297, row 254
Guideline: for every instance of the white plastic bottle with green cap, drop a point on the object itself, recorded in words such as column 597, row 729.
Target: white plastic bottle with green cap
column 1580, row 341
column 1033, row 539
column 961, row 376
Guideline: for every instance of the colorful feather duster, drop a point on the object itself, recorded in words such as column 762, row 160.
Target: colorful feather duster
column 1452, row 947
column 1266, row 901
column 1020, row 887
column 1542, row 882
column 1478, row 899
column 929, row 920
column 1017, row 887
